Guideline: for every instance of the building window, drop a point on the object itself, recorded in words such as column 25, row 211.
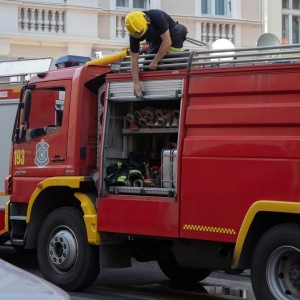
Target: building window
column 291, row 4
column 216, row 7
column 285, row 4
column 132, row 4
column 291, row 21
column 296, row 4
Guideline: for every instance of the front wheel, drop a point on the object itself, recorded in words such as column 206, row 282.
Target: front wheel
column 180, row 274
column 276, row 264
column 65, row 257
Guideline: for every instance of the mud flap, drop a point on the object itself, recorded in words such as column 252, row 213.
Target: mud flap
column 3, row 205
column 2, row 220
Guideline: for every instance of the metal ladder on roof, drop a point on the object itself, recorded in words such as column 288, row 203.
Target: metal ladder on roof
column 222, row 57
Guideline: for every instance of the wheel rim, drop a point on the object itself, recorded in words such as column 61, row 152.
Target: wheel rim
column 62, row 249
column 283, row 273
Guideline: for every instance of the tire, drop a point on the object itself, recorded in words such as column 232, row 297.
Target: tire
column 275, row 270
column 179, row 274
column 65, row 257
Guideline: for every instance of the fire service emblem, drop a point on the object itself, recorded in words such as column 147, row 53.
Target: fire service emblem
column 41, row 155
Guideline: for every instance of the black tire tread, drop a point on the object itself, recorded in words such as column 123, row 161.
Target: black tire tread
column 89, row 269
column 179, row 274
column 286, row 233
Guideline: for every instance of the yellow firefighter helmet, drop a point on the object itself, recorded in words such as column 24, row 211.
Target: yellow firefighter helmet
column 137, row 23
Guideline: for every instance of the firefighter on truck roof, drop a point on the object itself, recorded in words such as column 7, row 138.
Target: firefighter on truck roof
column 162, row 34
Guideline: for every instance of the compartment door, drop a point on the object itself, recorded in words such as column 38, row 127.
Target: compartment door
column 138, row 210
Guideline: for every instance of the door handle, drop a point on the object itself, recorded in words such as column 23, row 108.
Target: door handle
column 57, row 158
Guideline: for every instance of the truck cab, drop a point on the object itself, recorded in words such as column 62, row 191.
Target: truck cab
column 200, row 174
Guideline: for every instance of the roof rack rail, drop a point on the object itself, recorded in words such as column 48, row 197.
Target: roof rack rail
column 220, row 57
column 247, row 56
column 180, row 59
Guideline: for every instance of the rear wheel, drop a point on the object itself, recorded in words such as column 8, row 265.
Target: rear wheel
column 180, row 274
column 276, row 264
column 65, row 257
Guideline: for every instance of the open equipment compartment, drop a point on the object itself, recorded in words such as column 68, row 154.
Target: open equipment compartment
column 139, row 152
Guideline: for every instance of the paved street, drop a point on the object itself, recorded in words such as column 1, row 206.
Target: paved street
column 146, row 281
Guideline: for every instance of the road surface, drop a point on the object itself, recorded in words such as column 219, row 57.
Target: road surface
column 146, row 281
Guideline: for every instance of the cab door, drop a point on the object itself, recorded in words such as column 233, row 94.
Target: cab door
column 40, row 137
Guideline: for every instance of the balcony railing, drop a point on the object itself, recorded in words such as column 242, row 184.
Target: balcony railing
column 212, row 31
column 41, row 20
column 49, row 20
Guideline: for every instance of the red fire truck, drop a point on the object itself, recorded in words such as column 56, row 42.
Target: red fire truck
column 200, row 174
column 12, row 76
column 9, row 98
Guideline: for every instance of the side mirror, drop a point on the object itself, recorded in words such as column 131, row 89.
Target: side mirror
column 26, row 114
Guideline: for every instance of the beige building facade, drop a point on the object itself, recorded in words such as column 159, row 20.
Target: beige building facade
column 271, row 17
column 53, row 28
column 282, row 18
column 93, row 27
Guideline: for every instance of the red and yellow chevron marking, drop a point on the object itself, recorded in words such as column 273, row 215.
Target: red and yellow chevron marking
column 209, row 229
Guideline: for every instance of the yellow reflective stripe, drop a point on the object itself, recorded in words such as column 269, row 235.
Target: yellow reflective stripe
column 70, row 181
column 265, row 206
column 121, row 178
column 173, row 49
column 90, row 218
column 135, row 171
column 212, row 229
